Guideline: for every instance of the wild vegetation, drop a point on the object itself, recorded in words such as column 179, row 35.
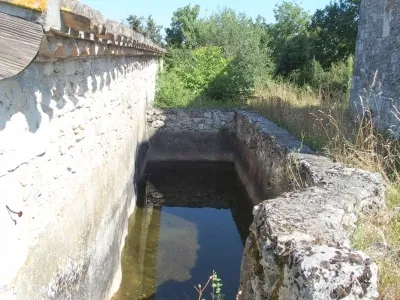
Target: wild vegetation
column 214, row 284
column 297, row 71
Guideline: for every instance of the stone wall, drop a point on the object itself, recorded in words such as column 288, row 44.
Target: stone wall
column 261, row 149
column 299, row 241
column 252, row 142
column 72, row 144
column 192, row 135
column 375, row 85
column 299, row 244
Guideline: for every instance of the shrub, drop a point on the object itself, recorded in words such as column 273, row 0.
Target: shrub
column 206, row 72
column 339, row 76
column 238, row 81
column 329, row 84
column 170, row 91
column 203, row 66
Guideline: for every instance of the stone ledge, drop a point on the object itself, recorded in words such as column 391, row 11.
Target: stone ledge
column 322, row 214
column 35, row 5
column 55, row 46
column 71, row 18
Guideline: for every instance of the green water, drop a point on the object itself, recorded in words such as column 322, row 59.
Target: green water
column 170, row 248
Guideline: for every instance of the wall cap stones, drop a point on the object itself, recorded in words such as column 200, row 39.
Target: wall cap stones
column 55, row 29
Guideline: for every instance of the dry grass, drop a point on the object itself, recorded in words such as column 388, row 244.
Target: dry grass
column 323, row 121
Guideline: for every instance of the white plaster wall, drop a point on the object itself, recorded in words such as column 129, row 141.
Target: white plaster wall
column 69, row 135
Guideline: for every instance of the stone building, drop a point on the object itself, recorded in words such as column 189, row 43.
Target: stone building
column 376, row 81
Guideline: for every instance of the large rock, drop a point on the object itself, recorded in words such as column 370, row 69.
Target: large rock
column 299, row 246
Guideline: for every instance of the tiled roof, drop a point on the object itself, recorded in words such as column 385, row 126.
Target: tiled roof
column 19, row 43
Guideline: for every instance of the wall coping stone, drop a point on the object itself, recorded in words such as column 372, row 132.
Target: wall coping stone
column 69, row 30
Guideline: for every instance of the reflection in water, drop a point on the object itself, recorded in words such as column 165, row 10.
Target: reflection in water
column 139, row 257
column 170, row 249
column 177, row 246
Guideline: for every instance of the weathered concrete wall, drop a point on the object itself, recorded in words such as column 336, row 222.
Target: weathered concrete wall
column 72, row 144
column 298, row 245
column 72, row 138
column 375, row 86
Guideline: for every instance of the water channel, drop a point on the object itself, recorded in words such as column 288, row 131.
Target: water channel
column 192, row 218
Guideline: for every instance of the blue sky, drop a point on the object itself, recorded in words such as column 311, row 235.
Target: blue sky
column 162, row 10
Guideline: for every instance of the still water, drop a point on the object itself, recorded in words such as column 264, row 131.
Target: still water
column 192, row 218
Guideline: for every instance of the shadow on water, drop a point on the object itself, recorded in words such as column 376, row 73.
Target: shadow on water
column 172, row 247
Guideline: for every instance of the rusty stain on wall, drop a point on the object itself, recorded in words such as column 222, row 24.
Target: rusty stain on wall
column 38, row 5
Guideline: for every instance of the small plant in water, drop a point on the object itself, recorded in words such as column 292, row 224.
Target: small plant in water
column 216, row 285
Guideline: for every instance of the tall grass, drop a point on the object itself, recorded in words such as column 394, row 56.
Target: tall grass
column 322, row 120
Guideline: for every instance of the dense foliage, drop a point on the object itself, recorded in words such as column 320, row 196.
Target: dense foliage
column 184, row 30
column 228, row 55
column 334, row 31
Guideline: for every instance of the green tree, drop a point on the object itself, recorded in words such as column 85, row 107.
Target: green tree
column 183, row 31
column 203, row 67
column 290, row 41
column 232, row 31
column 244, row 42
column 224, row 56
column 291, row 20
column 147, row 27
column 153, row 31
column 334, row 31
column 136, row 23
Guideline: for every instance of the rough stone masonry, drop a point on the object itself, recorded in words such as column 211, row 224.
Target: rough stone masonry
column 72, row 141
column 299, row 246
column 375, row 85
